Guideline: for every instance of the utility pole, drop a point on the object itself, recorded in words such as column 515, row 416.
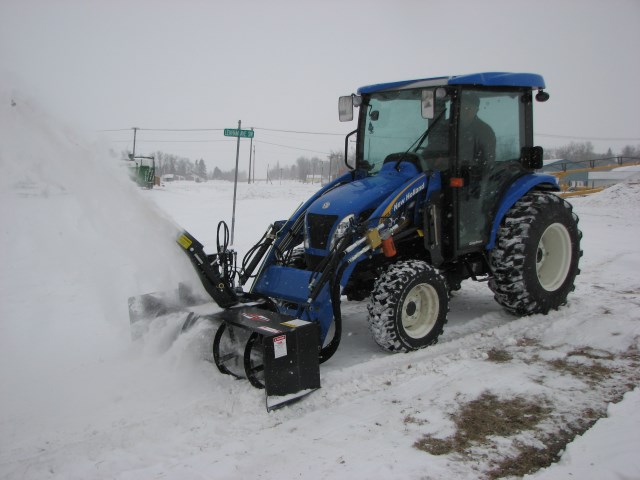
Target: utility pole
column 133, row 155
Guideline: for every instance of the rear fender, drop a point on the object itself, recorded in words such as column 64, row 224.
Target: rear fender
column 515, row 192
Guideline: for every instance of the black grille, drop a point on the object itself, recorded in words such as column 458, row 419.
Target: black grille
column 318, row 229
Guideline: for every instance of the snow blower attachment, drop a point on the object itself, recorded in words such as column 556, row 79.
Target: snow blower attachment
column 443, row 189
column 274, row 351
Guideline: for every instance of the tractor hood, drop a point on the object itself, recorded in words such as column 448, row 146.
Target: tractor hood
column 354, row 198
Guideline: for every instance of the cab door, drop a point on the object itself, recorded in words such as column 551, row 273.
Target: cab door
column 492, row 128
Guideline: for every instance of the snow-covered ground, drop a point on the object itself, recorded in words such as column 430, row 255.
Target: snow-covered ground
column 80, row 400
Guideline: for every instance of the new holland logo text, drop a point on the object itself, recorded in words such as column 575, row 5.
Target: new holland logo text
column 408, row 196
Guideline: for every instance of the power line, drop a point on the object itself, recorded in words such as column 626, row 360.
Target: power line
column 293, row 148
column 182, row 129
column 163, row 129
column 218, row 130
column 218, row 141
column 173, row 141
column 296, row 131
column 577, row 137
column 621, row 139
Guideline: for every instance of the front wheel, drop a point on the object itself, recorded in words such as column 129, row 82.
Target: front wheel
column 408, row 306
column 535, row 260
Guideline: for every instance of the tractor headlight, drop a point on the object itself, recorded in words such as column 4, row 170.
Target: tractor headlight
column 341, row 230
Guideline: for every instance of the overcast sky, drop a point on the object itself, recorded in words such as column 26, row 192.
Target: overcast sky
column 281, row 65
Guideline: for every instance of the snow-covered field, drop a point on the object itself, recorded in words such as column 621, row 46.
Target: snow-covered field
column 80, row 400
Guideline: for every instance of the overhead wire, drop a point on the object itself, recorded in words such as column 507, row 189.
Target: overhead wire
column 576, row 137
column 304, row 132
column 297, row 131
column 293, row 148
column 172, row 141
column 217, row 129
column 281, row 145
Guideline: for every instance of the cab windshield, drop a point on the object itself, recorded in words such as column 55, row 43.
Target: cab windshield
column 394, row 123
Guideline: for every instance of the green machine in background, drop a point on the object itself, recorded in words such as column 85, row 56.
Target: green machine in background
column 143, row 170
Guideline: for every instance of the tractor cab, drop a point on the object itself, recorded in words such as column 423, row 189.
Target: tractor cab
column 474, row 131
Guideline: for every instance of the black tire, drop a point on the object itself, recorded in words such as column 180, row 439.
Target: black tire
column 535, row 260
column 408, row 306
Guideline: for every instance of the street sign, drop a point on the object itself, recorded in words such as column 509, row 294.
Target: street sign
column 235, row 132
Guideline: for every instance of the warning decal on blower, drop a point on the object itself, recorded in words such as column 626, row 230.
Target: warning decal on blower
column 280, row 346
column 255, row 317
column 270, row 330
column 295, row 323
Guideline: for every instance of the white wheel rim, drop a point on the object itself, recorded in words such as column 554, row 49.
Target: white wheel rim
column 553, row 257
column 420, row 311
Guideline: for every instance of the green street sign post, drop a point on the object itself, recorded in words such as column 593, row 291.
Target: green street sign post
column 239, row 133
column 236, row 132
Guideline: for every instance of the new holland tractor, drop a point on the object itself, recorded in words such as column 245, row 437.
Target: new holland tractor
column 442, row 189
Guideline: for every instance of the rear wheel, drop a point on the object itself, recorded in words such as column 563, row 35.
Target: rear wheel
column 408, row 306
column 535, row 260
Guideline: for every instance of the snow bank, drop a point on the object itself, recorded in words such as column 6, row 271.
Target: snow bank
column 625, row 196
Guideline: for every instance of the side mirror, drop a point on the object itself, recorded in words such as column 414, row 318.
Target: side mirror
column 345, row 108
column 531, row 157
column 428, row 106
column 542, row 96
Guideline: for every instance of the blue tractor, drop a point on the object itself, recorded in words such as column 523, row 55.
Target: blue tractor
column 442, row 189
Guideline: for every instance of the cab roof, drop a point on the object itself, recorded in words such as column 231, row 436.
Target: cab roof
column 486, row 79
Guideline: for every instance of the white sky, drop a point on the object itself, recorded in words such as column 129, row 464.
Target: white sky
column 282, row 65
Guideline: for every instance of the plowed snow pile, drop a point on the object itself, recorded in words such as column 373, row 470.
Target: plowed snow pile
column 499, row 396
column 624, row 196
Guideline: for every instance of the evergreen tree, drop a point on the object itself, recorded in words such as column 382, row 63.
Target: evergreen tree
column 201, row 169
